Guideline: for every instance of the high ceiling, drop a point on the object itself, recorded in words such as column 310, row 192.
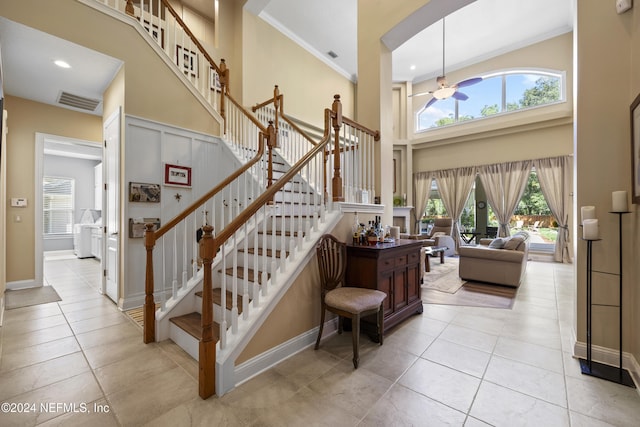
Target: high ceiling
column 477, row 31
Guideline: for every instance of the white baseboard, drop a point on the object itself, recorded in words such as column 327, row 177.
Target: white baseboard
column 23, row 284
column 1, row 309
column 256, row 365
column 611, row 357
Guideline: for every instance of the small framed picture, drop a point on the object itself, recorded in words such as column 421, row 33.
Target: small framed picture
column 137, row 226
column 187, row 61
column 143, row 192
column 214, row 80
column 177, row 175
column 154, row 31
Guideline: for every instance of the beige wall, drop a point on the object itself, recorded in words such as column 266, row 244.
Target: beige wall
column 157, row 95
column 634, row 230
column 374, row 102
column 299, row 309
column 308, row 84
column 603, row 165
column 3, row 208
column 25, row 119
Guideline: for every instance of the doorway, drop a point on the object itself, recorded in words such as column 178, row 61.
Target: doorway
column 68, row 205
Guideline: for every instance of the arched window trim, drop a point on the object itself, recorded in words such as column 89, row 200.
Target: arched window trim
column 561, row 75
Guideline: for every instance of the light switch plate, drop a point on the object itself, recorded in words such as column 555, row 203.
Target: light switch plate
column 18, row 202
column 623, row 5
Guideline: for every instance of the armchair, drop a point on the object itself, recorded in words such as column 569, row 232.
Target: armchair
column 439, row 235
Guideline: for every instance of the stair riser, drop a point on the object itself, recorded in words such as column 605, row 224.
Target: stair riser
column 218, row 312
column 251, row 259
column 295, row 186
column 277, row 245
column 216, row 278
column 295, row 209
column 279, row 222
column 184, row 340
column 289, row 197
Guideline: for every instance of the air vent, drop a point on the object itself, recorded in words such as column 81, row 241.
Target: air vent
column 332, row 54
column 77, row 101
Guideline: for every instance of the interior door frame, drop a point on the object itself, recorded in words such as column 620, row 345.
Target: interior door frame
column 116, row 117
column 37, row 203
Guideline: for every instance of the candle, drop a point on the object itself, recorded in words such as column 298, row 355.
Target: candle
column 588, row 212
column 619, row 201
column 590, row 229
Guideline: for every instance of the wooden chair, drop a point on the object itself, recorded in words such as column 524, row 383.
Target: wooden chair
column 347, row 302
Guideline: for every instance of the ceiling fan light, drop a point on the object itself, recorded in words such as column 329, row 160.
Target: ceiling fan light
column 444, row 92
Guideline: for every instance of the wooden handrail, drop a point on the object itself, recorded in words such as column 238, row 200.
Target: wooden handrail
column 375, row 133
column 129, row 9
column 265, row 197
column 280, row 99
column 195, row 205
column 151, row 237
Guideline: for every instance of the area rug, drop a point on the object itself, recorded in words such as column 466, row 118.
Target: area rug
column 473, row 294
column 443, row 277
column 32, row 296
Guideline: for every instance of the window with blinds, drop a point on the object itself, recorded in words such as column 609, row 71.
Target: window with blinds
column 57, row 205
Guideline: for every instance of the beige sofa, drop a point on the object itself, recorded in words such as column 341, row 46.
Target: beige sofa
column 502, row 261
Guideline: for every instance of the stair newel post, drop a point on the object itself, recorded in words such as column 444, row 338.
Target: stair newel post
column 224, row 86
column 149, row 334
column 129, row 8
column 276, row 105
column 271, row 144
column 336, row 187
column 207, row 348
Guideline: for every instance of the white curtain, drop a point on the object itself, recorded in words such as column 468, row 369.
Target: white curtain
column 422, row 188
column 504, row 184
column 454, row 186
column 554, row 175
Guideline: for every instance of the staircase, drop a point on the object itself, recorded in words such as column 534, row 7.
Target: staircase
column 294, row 208
column 219, row 268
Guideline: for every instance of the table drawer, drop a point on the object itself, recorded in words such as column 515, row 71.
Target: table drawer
column 400, row 260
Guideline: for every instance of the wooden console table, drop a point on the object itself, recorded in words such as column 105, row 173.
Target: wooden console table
column 393, row 268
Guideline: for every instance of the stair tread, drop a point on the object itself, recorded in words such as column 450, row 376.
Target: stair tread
column 192, row 324
column 279, row 233
column 270, row 254
column 251, row 274
column 217, row 299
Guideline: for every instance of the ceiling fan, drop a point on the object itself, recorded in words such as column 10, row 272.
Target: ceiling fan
column 445, row 90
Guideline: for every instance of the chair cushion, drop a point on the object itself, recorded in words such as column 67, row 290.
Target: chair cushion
column 354, row 300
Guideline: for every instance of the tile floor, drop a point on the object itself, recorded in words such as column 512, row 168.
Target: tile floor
column 450, row 366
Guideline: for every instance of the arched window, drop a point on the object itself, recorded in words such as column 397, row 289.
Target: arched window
column 497, row 93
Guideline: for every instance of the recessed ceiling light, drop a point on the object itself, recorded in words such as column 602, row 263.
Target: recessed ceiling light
column 60, row 63
column 413, row 67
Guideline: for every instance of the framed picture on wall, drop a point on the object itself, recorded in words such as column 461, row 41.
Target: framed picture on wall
column 137, row 226
column 143, row 192
column 214, row 80
column 635, row 150
column 177, row 175
column 187, row 61
column 154, row 31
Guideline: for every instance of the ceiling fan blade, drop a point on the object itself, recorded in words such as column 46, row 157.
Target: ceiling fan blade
column 460, row 96
column 420, row 94
column 430, row 103
column 469, row 82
